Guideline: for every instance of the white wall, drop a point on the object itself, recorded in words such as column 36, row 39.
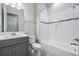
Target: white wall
column 61, row 11
column 41, row 28
column 63, row 32
column 60, row 7
column 30, row 18
column 59, row 31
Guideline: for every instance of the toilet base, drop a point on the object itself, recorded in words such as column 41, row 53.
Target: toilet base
column 36, row 52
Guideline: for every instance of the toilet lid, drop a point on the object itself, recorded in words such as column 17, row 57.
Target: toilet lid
column 36, row 45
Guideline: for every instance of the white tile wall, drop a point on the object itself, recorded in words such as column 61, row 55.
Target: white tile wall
column 30, row 18
column 29, row 28
column 44, row 31
column 44, row 15
column 65, row 31
column 39, row 8
column 63, row 15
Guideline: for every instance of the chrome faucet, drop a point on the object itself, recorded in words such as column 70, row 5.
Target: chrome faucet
column 76, row 40
column 75, row 44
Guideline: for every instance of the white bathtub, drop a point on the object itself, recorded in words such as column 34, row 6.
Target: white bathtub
column 54, row 48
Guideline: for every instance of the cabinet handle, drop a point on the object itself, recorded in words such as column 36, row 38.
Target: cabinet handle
column 13, row 49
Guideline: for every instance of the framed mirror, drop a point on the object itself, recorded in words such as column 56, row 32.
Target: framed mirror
column 12, row 20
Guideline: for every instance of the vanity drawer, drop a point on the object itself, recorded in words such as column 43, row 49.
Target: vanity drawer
column 13, row 41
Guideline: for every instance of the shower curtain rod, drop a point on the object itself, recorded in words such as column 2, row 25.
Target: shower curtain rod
column 60, row 21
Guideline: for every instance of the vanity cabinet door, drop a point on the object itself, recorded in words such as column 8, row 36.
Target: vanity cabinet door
column 20, row 49
column 7, row 51
column 0, row 18
column 14, row 47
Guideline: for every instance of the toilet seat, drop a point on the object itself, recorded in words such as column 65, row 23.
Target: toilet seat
column 36, row 45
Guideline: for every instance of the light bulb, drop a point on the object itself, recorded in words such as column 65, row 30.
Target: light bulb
column 19, row 4
column 7, row 3
column 57, row 4
column 12, row 5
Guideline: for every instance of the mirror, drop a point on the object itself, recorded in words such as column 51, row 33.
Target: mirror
column 12, row 19
column 12, row 22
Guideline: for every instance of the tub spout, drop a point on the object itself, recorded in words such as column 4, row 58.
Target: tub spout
column 75, row 44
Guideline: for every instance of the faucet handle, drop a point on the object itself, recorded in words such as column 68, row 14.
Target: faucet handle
column 76, row 40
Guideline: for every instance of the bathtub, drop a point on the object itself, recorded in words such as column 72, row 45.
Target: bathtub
column 54, row 48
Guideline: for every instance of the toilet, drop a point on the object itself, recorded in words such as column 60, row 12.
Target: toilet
column 36, row 47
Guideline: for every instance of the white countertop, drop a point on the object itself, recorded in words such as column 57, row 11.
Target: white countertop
column 8, row 35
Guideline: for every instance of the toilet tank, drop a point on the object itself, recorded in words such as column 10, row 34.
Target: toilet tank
column 32, row 39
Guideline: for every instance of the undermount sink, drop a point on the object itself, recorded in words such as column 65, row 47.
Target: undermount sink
column 9, row 35
column 2, row 37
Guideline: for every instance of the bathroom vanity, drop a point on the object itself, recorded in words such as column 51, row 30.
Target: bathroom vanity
column 16, row 45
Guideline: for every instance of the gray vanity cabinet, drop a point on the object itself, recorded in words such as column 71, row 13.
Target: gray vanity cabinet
column 14, row 47
column 8, row 51
column 20, row 49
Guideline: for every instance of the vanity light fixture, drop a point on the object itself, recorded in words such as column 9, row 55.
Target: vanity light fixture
column 57, row 4
column 7, row 3
column 15, row 5
column 12, row 5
